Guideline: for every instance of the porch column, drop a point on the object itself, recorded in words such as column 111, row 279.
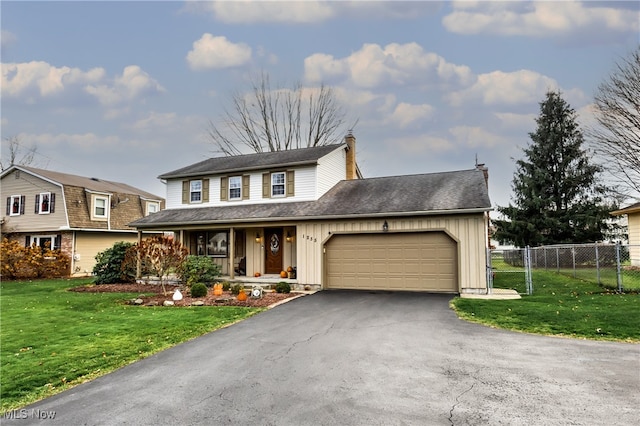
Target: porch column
column 138, row 260
column 232, row 252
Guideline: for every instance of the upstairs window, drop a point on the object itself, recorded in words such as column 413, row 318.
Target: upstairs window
column 45, row 203
column 15, row 205
column 100, row 207
column 152, row 207
column 277, row 184
column 235, row 188
column 195, row 191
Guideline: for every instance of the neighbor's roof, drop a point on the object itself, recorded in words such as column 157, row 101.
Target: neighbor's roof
column 92, row 184
column 247, row 162
column 434, row 193
column 633, row 208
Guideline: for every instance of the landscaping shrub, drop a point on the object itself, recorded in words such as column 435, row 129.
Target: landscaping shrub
column 198, row 290
column 20, row 262
column 110, row 267
column 235, row 289
column 283, row 287
column 198, row 269
column 226, row 286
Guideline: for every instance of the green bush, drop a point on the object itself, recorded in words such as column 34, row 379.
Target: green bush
column 198, row 290
column 198, row 269
column 226, row 286
column 283, row 287
column 235, row 289
column 110, row 268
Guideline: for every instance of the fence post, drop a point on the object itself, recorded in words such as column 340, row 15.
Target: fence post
column 557, row 259
column 573, row 255
column 618, row 267
column 527, row 270
column 597, row 263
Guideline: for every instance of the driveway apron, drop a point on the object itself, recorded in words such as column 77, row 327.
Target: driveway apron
column 362, row 358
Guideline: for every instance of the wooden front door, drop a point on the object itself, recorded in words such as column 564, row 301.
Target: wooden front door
column 273, row 249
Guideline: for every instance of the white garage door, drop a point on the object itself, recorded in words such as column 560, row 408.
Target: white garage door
column 425, row 261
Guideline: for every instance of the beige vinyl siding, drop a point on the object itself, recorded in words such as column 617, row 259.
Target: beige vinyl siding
column 634, row 238
column 468, row 231
column 331, row 170
column 89, row 244
column 29, row 186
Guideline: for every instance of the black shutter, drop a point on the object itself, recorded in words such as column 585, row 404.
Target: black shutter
column 57, row 243
column 22, row 202
column 8, row 206
column 37, row 202
column 52, row 203
column 27, row 241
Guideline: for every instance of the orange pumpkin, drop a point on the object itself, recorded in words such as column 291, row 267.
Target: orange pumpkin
column 283, row 274
column 289, row 269
column 257, row 274
column 242, row 296
column 217, row 289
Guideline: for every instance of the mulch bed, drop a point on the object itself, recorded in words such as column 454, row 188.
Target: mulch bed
column 151, row 295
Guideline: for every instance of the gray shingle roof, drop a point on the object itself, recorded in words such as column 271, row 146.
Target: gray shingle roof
column 92, row 184
column 263, row 160
column 434, row 193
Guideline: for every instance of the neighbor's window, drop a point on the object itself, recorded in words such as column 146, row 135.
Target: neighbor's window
column 277, row 184
column 152, row 207
column 196, row 191
column 15, row 205
column 235, row 187
column 100, row 207
column 43, row 203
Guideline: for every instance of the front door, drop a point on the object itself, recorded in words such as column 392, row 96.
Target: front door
column 273, row 249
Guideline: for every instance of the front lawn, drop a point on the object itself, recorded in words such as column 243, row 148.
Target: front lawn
column 561, row 306
column 53, row 339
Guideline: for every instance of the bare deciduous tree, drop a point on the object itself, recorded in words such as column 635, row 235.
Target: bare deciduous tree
column 267, row 119
column 616, row 138
column 14, row 152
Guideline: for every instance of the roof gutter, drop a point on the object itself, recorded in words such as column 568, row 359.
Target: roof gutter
column 327, row 217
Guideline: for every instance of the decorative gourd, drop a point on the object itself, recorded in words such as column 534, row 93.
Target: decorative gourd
column 257, row 274
column 289, row 269
column 283, row 274
column 242, row 296
column 217, row 289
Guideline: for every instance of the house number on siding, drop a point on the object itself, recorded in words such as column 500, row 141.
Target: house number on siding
column 275, row 244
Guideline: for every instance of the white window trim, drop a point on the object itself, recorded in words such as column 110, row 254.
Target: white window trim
column 40, row 198
column 283, row 184
column 192, row 192
column 13, row 198
column 36, row 239
column 239, row 186
column 94, row 212
column 152, row 204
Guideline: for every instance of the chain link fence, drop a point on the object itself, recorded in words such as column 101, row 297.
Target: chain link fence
column 615, row 266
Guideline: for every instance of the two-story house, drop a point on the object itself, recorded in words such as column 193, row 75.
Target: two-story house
column 81, row 216
column 310, row 209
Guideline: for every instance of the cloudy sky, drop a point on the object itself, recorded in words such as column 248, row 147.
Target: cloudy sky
column 124, row 90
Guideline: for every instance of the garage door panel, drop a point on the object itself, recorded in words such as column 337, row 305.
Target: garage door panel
column 403, row 261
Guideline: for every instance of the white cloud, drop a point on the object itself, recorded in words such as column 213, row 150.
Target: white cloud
column 395, row 64
column 250, row 12
column 420, row 145
column 505, row 88
column 406, row 114
column 155, row 120
column 474, row 137
column 133, row 83
column 7, row 38
column 510, row 120
column 37, row 77
column 538, row 19
column 211, row 52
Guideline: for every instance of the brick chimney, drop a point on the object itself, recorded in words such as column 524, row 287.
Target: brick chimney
column 350, row 140
column 485, row 170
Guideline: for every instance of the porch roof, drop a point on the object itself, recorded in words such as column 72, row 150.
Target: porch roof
column 425, row 194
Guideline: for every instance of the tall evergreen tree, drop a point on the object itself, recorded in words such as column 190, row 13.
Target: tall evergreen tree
column 557, row 197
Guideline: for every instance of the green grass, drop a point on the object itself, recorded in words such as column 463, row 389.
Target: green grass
column 560, row 306
column 53, row 339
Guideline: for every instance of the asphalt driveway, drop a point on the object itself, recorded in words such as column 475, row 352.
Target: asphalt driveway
column 358, row 358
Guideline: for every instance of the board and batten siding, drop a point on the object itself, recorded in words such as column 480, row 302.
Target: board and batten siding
column 331, row 169
column 634, row 238
column 28, row 185
column 89, row 244
column 305, row 189
column 469, row 232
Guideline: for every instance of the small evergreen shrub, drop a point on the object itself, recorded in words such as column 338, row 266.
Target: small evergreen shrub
column 198, row 290
column 235, row 289
column 226, row 286
column 110, row 267
column 283, row 287
column 198, row 269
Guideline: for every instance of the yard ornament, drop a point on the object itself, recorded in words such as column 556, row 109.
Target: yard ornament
column 177, row 295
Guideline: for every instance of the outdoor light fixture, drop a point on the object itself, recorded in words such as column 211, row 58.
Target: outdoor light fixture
column 288, row 237
column 385, row 226
column 258, row 237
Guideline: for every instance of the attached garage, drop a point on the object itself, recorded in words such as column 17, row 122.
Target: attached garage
column 405, row 261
